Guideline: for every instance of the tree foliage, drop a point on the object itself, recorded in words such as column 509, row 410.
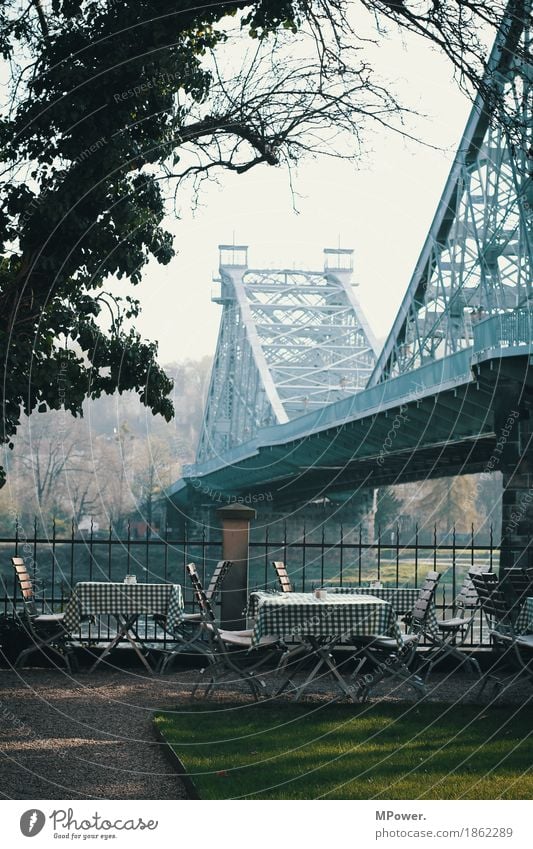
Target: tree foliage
column 108, row 99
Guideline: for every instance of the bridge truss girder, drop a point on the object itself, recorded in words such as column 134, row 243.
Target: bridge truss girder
column 478, row 258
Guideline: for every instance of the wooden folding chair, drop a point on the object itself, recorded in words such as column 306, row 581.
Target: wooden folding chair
column 190, row 635
column 283, row 576
column 517, row 585
column 392, row 660
column 45, row 630
column 501, row 615
column 223, row 643
column 452, row 633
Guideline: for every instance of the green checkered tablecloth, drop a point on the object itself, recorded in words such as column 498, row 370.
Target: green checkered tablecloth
column 90, row 597
column 339, row 615
column 401, row 598
column 524, row 622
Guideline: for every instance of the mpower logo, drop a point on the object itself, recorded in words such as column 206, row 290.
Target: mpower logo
column 32, row 822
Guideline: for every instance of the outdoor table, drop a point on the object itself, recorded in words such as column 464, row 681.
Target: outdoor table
column 402, row 599
column 321, row 623
column 126, row 603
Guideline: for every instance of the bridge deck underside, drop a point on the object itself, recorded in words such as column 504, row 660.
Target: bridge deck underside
column 435, row 434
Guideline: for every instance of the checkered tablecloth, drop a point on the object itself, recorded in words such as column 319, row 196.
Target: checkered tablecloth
column 90, row 597
column 401, row 598
column 524, row 622
column 339, row 615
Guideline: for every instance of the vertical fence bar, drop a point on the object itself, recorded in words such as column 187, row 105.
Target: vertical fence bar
column 202, row 543
column 147, row 554
column 360, row 556
column 397, row 555
column 109, row 558
column 304, row 541
column 322, row 548
column 185, row 553
column 491, row 549
column 454, row 565
column 379, row 552
column 416, row 554
column 285, row 542
column 128, row 549
column 53, row 569
column 265, row 581
column 71, row 558
column 16, row 536
column 35, row 566
column 13, row 577
column 165, row 554
column 435, row 547
column 146, row 570
column 341, row 559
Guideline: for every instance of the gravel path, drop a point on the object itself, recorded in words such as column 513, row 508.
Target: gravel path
column 85, row 737
column 91, row 736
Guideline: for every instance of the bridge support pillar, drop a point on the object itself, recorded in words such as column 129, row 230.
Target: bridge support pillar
column 235, row 520
column 517, row 496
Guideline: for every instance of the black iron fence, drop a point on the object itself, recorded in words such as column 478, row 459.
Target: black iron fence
column 58, row 561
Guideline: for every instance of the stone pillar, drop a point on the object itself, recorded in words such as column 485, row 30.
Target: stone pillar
column 516, row 445
column 235, row 520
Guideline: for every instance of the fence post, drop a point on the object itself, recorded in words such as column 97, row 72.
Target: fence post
column 235, row 520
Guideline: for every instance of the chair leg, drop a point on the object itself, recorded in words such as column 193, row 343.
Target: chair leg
column 522, row 670
column 42, row 647
column 392, row 667
column 168, row 658
column 463, row 659
column 218, row 670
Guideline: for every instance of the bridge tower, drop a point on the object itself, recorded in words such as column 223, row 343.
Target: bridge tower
column 290, row 343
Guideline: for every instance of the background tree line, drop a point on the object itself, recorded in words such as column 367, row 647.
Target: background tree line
column 112, row 465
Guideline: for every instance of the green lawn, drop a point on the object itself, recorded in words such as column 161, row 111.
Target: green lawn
column 400, row 751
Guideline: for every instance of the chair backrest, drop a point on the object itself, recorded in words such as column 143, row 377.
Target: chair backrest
column 25, row 584
column 201, row 597
column 517, row 586
column 221, row 569
column 468, row 598
column 283, row 576
column 492, row 598
column 420, row 610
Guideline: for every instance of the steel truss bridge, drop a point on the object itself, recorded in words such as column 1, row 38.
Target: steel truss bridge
column 300, row 406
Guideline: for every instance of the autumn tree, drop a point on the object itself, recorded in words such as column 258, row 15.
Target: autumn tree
column 111, row 103
column 443, row 502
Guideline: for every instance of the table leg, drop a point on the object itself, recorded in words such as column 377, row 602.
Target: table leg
column 116, row 639
column 324, row 659
column 124, row 625
column 129, row 630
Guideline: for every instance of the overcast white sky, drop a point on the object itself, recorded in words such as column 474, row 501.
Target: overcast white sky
column 381, row 208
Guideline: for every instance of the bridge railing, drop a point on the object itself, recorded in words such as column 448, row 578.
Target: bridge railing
column 505, row 330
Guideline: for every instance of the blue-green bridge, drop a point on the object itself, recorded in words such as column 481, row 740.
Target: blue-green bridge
column 301, row 407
